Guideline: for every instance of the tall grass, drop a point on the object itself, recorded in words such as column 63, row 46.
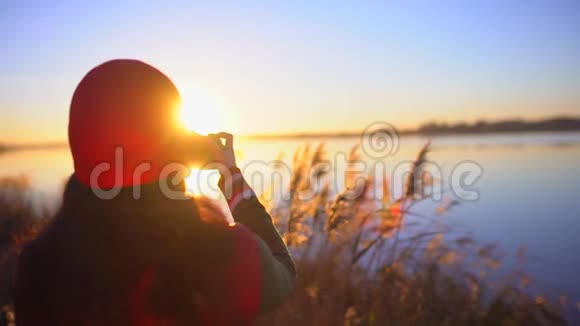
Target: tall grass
column 364, row 260
column 361, row 260
column 21, row 219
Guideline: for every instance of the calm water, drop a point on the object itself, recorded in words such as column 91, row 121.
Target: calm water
column 529, row 193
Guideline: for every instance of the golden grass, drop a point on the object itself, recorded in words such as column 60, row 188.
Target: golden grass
column 356, row 266
column 20, row 220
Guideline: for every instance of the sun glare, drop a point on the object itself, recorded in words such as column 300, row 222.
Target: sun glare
column 204, row 112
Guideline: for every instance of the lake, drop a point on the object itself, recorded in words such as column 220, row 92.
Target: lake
column 528, row 193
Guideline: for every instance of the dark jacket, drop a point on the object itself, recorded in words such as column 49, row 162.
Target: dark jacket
column 152, row 261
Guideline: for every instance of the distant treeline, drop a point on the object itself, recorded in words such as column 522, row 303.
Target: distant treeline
column 443, row 128
column 555, row 124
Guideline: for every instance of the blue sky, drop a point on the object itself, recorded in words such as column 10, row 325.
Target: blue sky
column 297, row 66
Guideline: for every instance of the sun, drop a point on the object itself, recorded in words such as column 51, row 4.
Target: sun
column 203, row 111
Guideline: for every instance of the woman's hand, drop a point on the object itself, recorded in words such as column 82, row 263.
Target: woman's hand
column 225, row 155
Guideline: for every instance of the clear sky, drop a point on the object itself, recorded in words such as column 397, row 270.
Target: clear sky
column 295, row 66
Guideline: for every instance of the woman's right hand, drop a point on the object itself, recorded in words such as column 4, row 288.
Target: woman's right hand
column 225, row 155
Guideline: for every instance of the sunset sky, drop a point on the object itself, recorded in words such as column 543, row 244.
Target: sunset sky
column 298, row 66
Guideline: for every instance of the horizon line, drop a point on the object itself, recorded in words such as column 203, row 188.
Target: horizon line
column 470, row 129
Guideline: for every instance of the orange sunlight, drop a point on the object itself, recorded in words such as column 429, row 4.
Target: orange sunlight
column 205, row 111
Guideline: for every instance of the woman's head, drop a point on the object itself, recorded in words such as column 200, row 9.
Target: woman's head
column 122, row 124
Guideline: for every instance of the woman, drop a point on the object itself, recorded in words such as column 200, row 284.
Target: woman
column 129, row 246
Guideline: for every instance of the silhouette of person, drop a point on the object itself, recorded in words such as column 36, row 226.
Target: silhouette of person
column 129, row 246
